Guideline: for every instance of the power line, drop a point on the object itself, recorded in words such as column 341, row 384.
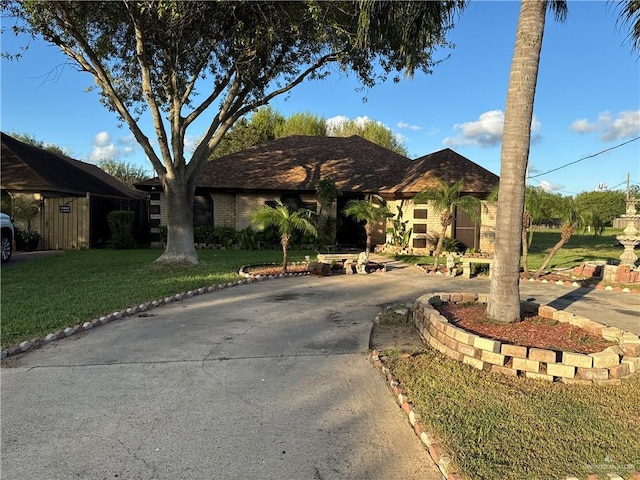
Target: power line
column 585, row 158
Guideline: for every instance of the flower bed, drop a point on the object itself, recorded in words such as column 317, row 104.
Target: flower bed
column 607, row 366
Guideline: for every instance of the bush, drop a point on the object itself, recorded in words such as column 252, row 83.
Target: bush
column 121, row 226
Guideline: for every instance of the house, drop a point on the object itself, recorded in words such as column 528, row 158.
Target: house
column 74, row 197
column 231, row 188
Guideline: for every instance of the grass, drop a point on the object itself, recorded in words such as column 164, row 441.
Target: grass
column 58, row 291
column 498, row 427
column 580, row 248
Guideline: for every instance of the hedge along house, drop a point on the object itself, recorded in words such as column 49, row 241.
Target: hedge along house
column 231, row 188
column 74, row 197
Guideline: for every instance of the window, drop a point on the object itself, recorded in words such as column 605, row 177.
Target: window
column 419, row 228
column 419, row 243
column 420, row 213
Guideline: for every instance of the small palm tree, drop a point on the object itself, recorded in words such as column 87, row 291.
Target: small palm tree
column 286, row 222
column 445, row 199
column 572, row 219
column 368, row 212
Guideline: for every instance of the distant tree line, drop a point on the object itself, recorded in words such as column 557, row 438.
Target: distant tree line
column 266, row 124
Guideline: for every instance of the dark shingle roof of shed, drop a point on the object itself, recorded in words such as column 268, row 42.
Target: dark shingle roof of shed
column 29, row 168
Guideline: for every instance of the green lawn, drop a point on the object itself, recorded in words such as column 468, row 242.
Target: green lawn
column 499, row 427
column 580, row 248
column 62, row 290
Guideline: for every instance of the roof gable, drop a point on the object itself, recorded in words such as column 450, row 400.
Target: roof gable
column 448, row 166
column 29, row 168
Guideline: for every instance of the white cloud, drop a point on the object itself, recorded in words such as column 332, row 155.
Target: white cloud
column 486, row 131
column 403, row 125
column 550, row 187
column 624, row 126
column 104, row 147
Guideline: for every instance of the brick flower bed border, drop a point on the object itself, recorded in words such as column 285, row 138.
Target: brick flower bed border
column 610, row 366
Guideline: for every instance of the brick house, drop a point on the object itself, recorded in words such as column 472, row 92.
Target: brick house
column 232, row 187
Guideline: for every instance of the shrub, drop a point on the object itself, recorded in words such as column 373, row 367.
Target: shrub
column 121, row 226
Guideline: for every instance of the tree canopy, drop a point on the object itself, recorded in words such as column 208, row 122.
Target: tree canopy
column 181, row 61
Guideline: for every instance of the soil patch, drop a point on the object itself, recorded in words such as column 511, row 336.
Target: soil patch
column 532, row 331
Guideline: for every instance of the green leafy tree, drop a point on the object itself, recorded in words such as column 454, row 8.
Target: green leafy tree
column 182, row 61
column 31, row 140
column 126, row 172
column 368, row 212
column 572, row 217
column 286, row 222
column 258, row 128
column 445, row 199
column 601, row 207
column 504, row 293
column 302, row 124
column 370, row 130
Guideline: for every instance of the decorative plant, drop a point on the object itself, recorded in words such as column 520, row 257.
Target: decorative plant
column 286, row 222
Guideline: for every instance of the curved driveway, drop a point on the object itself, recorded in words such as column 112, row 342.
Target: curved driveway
column 264, row 381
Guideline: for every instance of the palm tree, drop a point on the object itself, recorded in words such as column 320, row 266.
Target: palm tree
column 504, row 294
column 286, row 222
column 445, row 199
column 572, row 218
column 368, row 212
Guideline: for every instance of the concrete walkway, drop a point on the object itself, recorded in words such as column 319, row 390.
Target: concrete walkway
column 263, row 381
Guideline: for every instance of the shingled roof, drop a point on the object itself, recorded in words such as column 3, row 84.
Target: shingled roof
column 448, row 166
column 357, row 165
column 32, row 169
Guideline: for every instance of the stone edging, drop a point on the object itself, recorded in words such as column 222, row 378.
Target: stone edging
column 437, row 454
column 610, row 366
column 574, row 283
column 428, row 439
column 127, row 312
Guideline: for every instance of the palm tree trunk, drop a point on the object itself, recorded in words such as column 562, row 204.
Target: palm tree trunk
column 567, row 232
column 284, row 241
column 504, row 294
column 368, row 228
column 439, row 246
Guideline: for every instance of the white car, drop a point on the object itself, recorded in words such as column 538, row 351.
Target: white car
column 6, row 245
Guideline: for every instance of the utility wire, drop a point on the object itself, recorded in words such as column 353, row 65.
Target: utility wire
column 585, row 158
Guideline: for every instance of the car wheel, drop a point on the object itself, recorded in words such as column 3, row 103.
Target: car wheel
column 6, row 248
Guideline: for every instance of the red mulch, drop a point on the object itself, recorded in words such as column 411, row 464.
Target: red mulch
column 532, row 331
column 274, row 270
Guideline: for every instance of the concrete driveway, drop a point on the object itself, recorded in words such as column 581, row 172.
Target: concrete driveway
column 263, row 381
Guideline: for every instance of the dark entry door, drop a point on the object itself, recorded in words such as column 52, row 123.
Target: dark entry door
column 466, row 230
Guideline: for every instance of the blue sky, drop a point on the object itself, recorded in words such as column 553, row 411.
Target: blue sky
column 587, row 101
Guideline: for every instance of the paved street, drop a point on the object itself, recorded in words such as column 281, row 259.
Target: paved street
column 262, row 381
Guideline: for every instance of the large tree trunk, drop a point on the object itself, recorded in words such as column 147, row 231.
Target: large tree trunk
column 180, row 248
column 504, row 294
